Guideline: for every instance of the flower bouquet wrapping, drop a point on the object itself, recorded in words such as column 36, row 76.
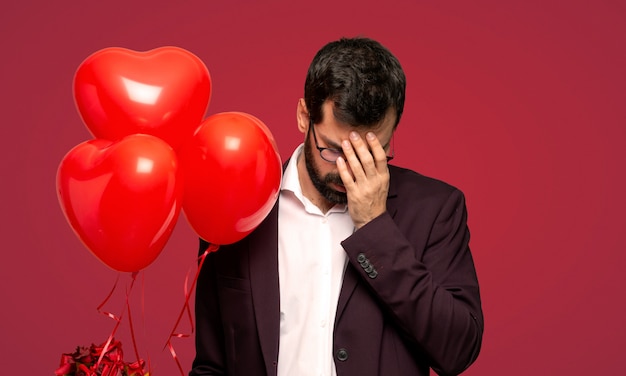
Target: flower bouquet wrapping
column 84, row 362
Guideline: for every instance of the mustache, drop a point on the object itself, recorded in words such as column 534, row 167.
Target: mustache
column 333, row 178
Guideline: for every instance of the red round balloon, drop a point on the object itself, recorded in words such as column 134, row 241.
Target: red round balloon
column 232, row 173
column 162, row 92
column 121, row 198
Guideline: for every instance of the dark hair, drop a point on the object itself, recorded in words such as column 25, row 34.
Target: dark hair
column 360, row 76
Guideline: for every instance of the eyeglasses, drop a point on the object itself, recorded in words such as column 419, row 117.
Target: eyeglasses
column 332, row 154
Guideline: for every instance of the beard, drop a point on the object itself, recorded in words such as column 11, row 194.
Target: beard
column 322, row 183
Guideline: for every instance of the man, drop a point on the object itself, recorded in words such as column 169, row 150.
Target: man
column 362, row 268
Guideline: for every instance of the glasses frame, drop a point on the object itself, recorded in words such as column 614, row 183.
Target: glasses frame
column 336, row 153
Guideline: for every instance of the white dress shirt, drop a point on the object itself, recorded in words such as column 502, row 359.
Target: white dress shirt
column 311, row 264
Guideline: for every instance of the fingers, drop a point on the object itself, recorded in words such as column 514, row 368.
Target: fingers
column 365, row 176
column 379, row 154
column 365, row 157
column 344, row 173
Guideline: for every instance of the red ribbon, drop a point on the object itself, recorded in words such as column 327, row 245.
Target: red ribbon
column 130, row 319
column 118, row 319
column 143, row 319
column 173, row 333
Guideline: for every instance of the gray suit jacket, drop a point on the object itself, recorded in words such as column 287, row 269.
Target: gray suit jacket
column 409, row 300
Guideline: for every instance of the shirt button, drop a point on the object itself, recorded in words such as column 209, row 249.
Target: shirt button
column 324, row 220
column 323, row 323
column 342, row 355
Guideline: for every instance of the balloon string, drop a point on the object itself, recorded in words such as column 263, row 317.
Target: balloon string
column 99, row 308
column 189, row 316
column 201, row 258
column 130, row 319
column 112, row 316
column 171, row 348
column 143, row 318
column 118, row 319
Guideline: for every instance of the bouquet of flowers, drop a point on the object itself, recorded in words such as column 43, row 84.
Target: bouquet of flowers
column 84, row 362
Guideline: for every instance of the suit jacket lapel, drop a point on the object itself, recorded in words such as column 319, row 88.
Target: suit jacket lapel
column 263, row 256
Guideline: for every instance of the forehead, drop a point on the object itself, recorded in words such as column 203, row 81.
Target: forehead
column 337, row 130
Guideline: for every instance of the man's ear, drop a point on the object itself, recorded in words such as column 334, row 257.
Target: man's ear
column 302, row 116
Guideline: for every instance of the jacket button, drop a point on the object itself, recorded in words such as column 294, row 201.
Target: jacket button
column 373, row 274
column 361, row 258
column 342, row 355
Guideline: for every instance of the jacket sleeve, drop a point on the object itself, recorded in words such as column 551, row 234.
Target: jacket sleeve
column 209, row 358
column 423, row 275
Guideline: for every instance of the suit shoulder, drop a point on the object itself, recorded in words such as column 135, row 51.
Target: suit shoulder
column 408, row 182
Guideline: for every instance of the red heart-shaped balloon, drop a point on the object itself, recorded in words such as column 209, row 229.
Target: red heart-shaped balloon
column 121, row 198
column 162, row 92
column 232, row 173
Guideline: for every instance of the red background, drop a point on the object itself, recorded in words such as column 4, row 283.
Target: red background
column 519, row 104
